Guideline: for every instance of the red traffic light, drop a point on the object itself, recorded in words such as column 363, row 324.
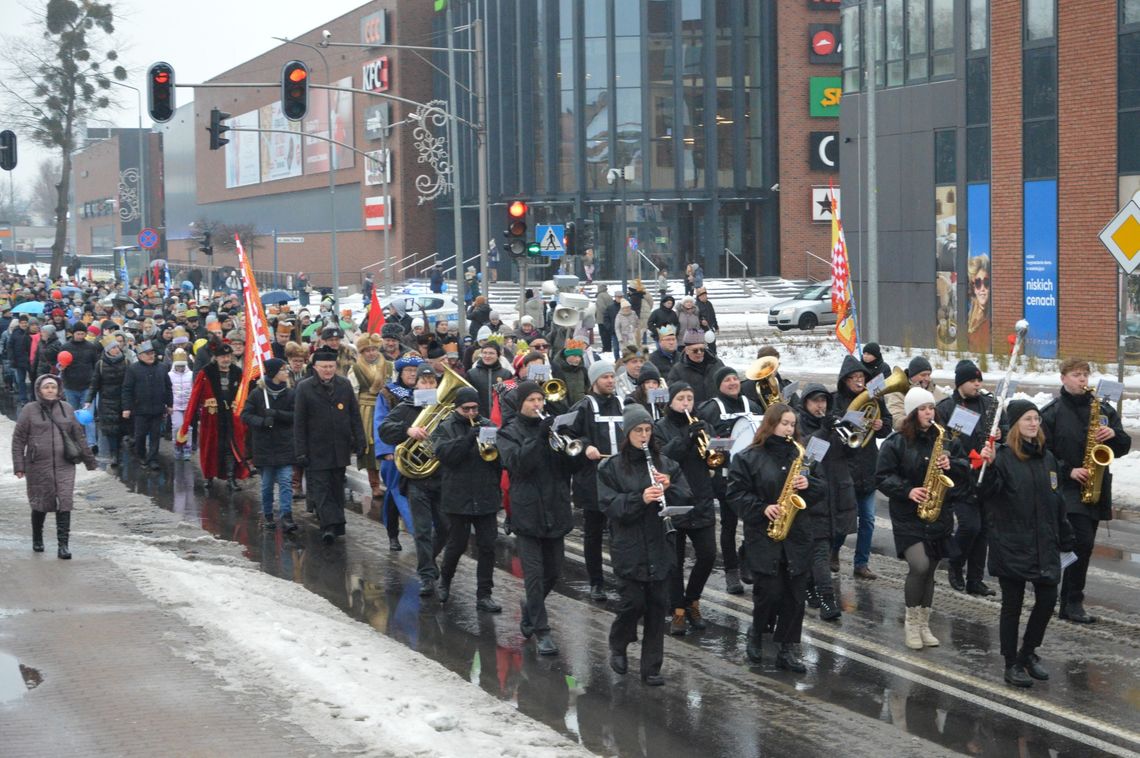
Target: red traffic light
column 517, row 209
column 160, row 92
column 161, row 77
column 298, row 75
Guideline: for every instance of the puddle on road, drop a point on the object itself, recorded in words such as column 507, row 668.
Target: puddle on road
column 16, row 679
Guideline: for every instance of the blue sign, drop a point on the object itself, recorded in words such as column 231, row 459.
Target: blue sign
column 1040, row 224
column 550, row 239
column 148, row 238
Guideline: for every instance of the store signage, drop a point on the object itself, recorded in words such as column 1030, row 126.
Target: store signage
column 377, row 75
column 376, row 120
column 823, row 5
column 821, row 203
column 374, row 28
column 824, row 93
column 824, row 44
column 824, row 154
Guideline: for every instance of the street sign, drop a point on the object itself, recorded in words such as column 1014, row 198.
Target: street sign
column 148, row 239
column 1122, row 236
column 549, row 239
column 291, row 240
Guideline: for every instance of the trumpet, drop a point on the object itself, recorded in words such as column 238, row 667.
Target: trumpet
column 712, row 458
column 561, row 443
column 487, row 451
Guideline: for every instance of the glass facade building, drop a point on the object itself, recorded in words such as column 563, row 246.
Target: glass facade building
column 653, row 119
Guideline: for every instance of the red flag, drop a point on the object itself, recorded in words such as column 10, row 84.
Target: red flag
column 842, row 298
column 258, row 344
column 375, row 314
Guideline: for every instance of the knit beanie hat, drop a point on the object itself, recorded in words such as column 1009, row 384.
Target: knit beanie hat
column 407, row 360
column 721, row 373
column 677, row 387
column 526, row 389
column 917, row 365
column 634, row 415
column 272, row 366
column 648, row 373
column 574, row 347
column 466, row 395
column 1018, row 408
column 873, row 349
column 694, row 337
column 598, row 369
column 915, row 398
column 966, row 371
column 483, row 333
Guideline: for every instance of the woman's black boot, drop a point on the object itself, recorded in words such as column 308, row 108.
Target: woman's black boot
column 38, row 530
column 63, row 533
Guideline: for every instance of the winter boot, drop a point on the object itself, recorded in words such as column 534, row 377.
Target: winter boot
column 928, row 638
column 38, row 531
column 1016, row 675
column 546, row 644
column 693, row 614
column 912, row 625
column 957, row 579
column 789, row 659
column 813, row 598
column 268, row 522
column 829, row 607
column 1032, row 665
column 287, row 523
column 598, row 592
column 753, row 649
column 732, row 583
column 63, row 533
column 677, row 625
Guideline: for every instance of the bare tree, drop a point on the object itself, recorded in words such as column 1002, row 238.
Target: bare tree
column 45, row 190
column 62, row 80
column 14, row 205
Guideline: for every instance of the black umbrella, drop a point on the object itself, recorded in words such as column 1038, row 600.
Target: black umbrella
column 276, row 298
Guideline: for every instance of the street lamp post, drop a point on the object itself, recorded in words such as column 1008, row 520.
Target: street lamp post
column 142, row 155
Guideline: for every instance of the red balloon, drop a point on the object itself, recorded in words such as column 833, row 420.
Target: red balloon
column 64, row 359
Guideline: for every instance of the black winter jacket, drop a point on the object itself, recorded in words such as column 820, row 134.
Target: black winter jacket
column 698, row 375
column 661, row 317
column 484, row 378
column 756, row 477
column 20, row 349
column 864, row 460
column 394, row 431
column 902, row 467
column 327, row 430
column 107, row 384
column 591, row 431
column 840, row 516
column 47, row 355
column 1066, row 424
column 271, row 426
column 983, row 404
column 540, row 479
column 708, row 314
column 84, row 356
column 147, row 390
column 679, row 443
column 640, row 550
column 664, row 361
column 471, row 485
column 576, row 378
column 1025, row 513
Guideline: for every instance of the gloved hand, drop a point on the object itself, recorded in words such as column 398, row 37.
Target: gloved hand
column 546, row 424
column 695, row 431
column 268, row 422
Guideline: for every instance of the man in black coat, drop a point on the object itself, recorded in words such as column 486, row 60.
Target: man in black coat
column 540, row 506
column 598, row 425
column 853, row 378
column 662, row 316
column 327, row 432
column 472, row 497
column 424, row 495
column 77, row 374
column 268, row 414
column 722, row 411
column 971, row 532
column 147, row 399
column 485, row 374
column 666, row 355
column 19, row 356
column 1066, row 424
column 696, row 367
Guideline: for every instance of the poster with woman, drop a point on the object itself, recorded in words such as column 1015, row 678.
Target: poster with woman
column 978, row 323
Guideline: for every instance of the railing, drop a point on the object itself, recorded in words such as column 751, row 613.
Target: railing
column 641, row 255
column 824, row 261
column 728, row 254
column 464, row 263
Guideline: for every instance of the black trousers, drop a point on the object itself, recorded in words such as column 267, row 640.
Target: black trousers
column 1012, row 598
column 971, row 539
column 637, row 601
column 593, row 531
column 1073, row 581
column 326, row 496
column 728, row 522
column 784, row 596
column 541, row 560
column 430, row 526
column 821, row 564
column 459, row 532
column 148, row 435
column 704, row 546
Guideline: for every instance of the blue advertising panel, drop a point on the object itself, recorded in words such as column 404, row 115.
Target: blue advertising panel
column 979, row 282
column 1040, row 215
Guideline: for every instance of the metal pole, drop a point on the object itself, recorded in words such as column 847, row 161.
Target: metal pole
column 481, row 144
column 275, row 284
column 871, row 307
column 387, row 210
column 456, row 205
column 142, row 167
column 1121, row 325
column 624, row 243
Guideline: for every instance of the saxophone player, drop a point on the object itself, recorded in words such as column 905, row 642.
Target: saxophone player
column 910, row 462
column 761, row 480
column 1068, row 428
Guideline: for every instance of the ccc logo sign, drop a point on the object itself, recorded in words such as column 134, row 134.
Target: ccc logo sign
column 374, row 29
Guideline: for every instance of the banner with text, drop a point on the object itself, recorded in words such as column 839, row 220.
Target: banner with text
column 1040, row 219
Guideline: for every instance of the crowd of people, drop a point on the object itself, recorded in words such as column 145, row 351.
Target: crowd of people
column 514, row 427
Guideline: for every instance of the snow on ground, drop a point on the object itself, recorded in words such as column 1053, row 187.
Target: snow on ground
column 349, row 685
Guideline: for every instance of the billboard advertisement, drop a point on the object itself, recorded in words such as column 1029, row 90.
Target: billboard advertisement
column 978, row 280
column 946, row 265
column 316, row 122
column 243, row 152
column 1040, row 219
column 280, row 153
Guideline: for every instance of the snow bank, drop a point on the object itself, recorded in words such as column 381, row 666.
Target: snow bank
column 349, row 686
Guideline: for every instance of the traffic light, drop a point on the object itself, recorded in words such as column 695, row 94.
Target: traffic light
column 216, row 128
column 570, row 238
column 7, row 150
column 294, row 90
column 586, row 239
column 160, row 91
column 205, row 246
column 516, row 229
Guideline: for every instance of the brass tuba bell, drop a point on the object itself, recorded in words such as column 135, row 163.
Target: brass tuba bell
column 415, row 459
column 868, row 404
column 763, row 373
column 554, row 390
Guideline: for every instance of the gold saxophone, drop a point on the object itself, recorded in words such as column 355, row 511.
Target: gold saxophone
column 790, row 503
column 935, row 482
column 1098, row 457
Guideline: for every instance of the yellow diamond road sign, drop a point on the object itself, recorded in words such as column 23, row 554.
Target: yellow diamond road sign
column 1122, row 236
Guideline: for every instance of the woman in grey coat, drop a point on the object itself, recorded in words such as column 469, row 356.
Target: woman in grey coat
column 37, row 457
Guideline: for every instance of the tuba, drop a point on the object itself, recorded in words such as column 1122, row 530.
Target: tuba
column 935, row 482
column 1098, row 457
column 763, row 373
column 790, row 503
column 868, row 404
column 415, row 459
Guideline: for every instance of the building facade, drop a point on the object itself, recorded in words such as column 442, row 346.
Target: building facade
column 1007, row 136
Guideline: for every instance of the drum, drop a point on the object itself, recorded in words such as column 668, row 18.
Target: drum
column 742, row 433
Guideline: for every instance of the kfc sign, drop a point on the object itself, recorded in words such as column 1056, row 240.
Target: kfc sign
column 374, row 28
column 377, row 75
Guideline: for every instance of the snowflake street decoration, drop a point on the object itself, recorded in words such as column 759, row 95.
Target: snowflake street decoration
column 432, row 150
column 129, row 209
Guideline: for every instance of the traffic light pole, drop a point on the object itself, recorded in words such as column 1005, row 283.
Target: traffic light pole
column 456, row 203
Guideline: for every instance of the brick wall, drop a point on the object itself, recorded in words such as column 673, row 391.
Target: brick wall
column 797, row 232
column 96, row 177
column 1086, row 53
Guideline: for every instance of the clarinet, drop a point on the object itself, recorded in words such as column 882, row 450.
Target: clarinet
column 669, row 528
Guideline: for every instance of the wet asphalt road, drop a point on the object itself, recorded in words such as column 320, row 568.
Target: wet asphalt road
column 864, row 693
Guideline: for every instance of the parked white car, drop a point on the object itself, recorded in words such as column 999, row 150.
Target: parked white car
column 806, row 310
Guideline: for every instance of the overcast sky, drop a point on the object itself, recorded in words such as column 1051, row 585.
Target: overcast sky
column 200, row 38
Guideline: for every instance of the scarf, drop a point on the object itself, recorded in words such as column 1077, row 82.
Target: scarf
column 398, row 390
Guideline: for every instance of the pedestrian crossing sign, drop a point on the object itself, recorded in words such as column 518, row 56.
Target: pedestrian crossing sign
column 549, row 239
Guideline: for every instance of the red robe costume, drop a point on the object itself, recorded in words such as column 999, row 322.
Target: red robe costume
column 220, row 432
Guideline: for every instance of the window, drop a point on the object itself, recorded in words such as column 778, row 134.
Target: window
column 978, row 154
column 945, row 157
column 1039, row 83
column 852, row 76
column 917, row 67
column 979, row 21
column 895, row 42
column 1128, row 70
column 978, row 90
column 1040, row 20
column 1040, row 149
column 1129, row 12
column 942, row 36
column 1128, row 142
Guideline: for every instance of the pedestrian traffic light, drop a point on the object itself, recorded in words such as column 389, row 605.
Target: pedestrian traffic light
column 160, row 91
column 7, row 150
column 216, row 128
column 294, row 90
column 586, row 235
column 205, row 246
column 516, row 229
column 570, row 238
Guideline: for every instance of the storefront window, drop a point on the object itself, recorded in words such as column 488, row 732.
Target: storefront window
column 693, row 103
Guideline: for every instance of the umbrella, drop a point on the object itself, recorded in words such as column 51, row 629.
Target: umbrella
column 275, row 298
column 31, row 307
column 70, row 290
column 317, row 325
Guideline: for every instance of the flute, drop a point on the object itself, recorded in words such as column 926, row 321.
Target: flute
column 669, row 528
